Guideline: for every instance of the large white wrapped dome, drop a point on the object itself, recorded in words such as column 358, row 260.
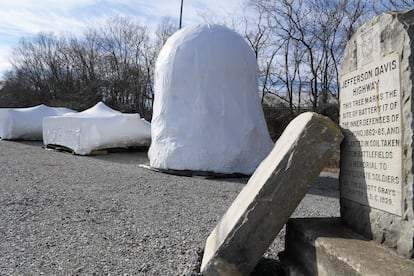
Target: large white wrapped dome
column 207, row 114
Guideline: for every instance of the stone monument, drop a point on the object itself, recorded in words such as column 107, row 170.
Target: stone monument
column 376, row 115
column 376, row 176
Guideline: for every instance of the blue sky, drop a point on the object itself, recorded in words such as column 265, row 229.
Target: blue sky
column 23, row 18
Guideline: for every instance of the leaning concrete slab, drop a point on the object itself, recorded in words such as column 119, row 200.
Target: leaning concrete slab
column 273, row 192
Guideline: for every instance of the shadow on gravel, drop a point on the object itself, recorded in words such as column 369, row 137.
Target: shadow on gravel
column 24, row 142
column 240, row 180
column 141, row 158
column 123, row 157
column 265, row 266
column 325, row 186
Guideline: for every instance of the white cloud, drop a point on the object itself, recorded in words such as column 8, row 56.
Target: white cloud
column 32, row 23
column 45, row 5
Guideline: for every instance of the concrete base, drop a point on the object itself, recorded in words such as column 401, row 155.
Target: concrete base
column 323, row 246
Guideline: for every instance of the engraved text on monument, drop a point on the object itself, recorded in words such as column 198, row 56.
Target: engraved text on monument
column 371, row 119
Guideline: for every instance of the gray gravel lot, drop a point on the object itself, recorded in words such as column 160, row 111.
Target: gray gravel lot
column 63, row 214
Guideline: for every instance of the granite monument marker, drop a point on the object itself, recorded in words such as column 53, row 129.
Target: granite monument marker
column 376, row 115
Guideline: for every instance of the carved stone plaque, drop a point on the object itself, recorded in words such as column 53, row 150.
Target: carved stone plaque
column 371, row 119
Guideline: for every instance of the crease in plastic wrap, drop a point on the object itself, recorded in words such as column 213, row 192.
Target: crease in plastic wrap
column 207, row 114
column 98, row 127
column 26, row 123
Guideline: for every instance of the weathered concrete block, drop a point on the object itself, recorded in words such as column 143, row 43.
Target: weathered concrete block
column 324, row 246
column 273, row 192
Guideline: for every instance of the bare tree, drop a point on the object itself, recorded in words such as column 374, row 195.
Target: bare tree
column 285, row 19
column 38, row 61
column 309, row 36
column 258, row 35
column 164, row 30
column 391, row 5
column 121, row 43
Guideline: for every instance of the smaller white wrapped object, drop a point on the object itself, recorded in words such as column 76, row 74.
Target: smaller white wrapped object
column 26, row 123
column 99, row 127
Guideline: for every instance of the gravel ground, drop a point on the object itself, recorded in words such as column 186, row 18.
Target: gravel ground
column 63, row 214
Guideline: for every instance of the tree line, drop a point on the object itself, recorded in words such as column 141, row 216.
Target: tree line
column 298, row 45
column 113, row 63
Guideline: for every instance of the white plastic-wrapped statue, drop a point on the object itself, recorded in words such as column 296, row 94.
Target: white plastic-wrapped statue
column 207, row 114
column 99, row 127
column 26, row 123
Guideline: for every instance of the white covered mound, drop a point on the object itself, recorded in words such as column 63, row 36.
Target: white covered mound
column 99, row 127
column 26, row 123
column 207, row 114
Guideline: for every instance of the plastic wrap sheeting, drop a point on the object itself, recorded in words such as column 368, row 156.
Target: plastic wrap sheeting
column 207, row 114
column 26, row 123
column 99, row 127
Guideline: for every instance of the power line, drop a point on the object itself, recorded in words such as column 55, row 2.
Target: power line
column 181, row 14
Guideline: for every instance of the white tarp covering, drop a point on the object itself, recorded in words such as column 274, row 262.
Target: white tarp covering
column 26, row 123
column 99, row 127
column 207, row 114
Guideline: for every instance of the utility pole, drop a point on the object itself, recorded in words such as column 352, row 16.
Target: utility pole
column 181, row 14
